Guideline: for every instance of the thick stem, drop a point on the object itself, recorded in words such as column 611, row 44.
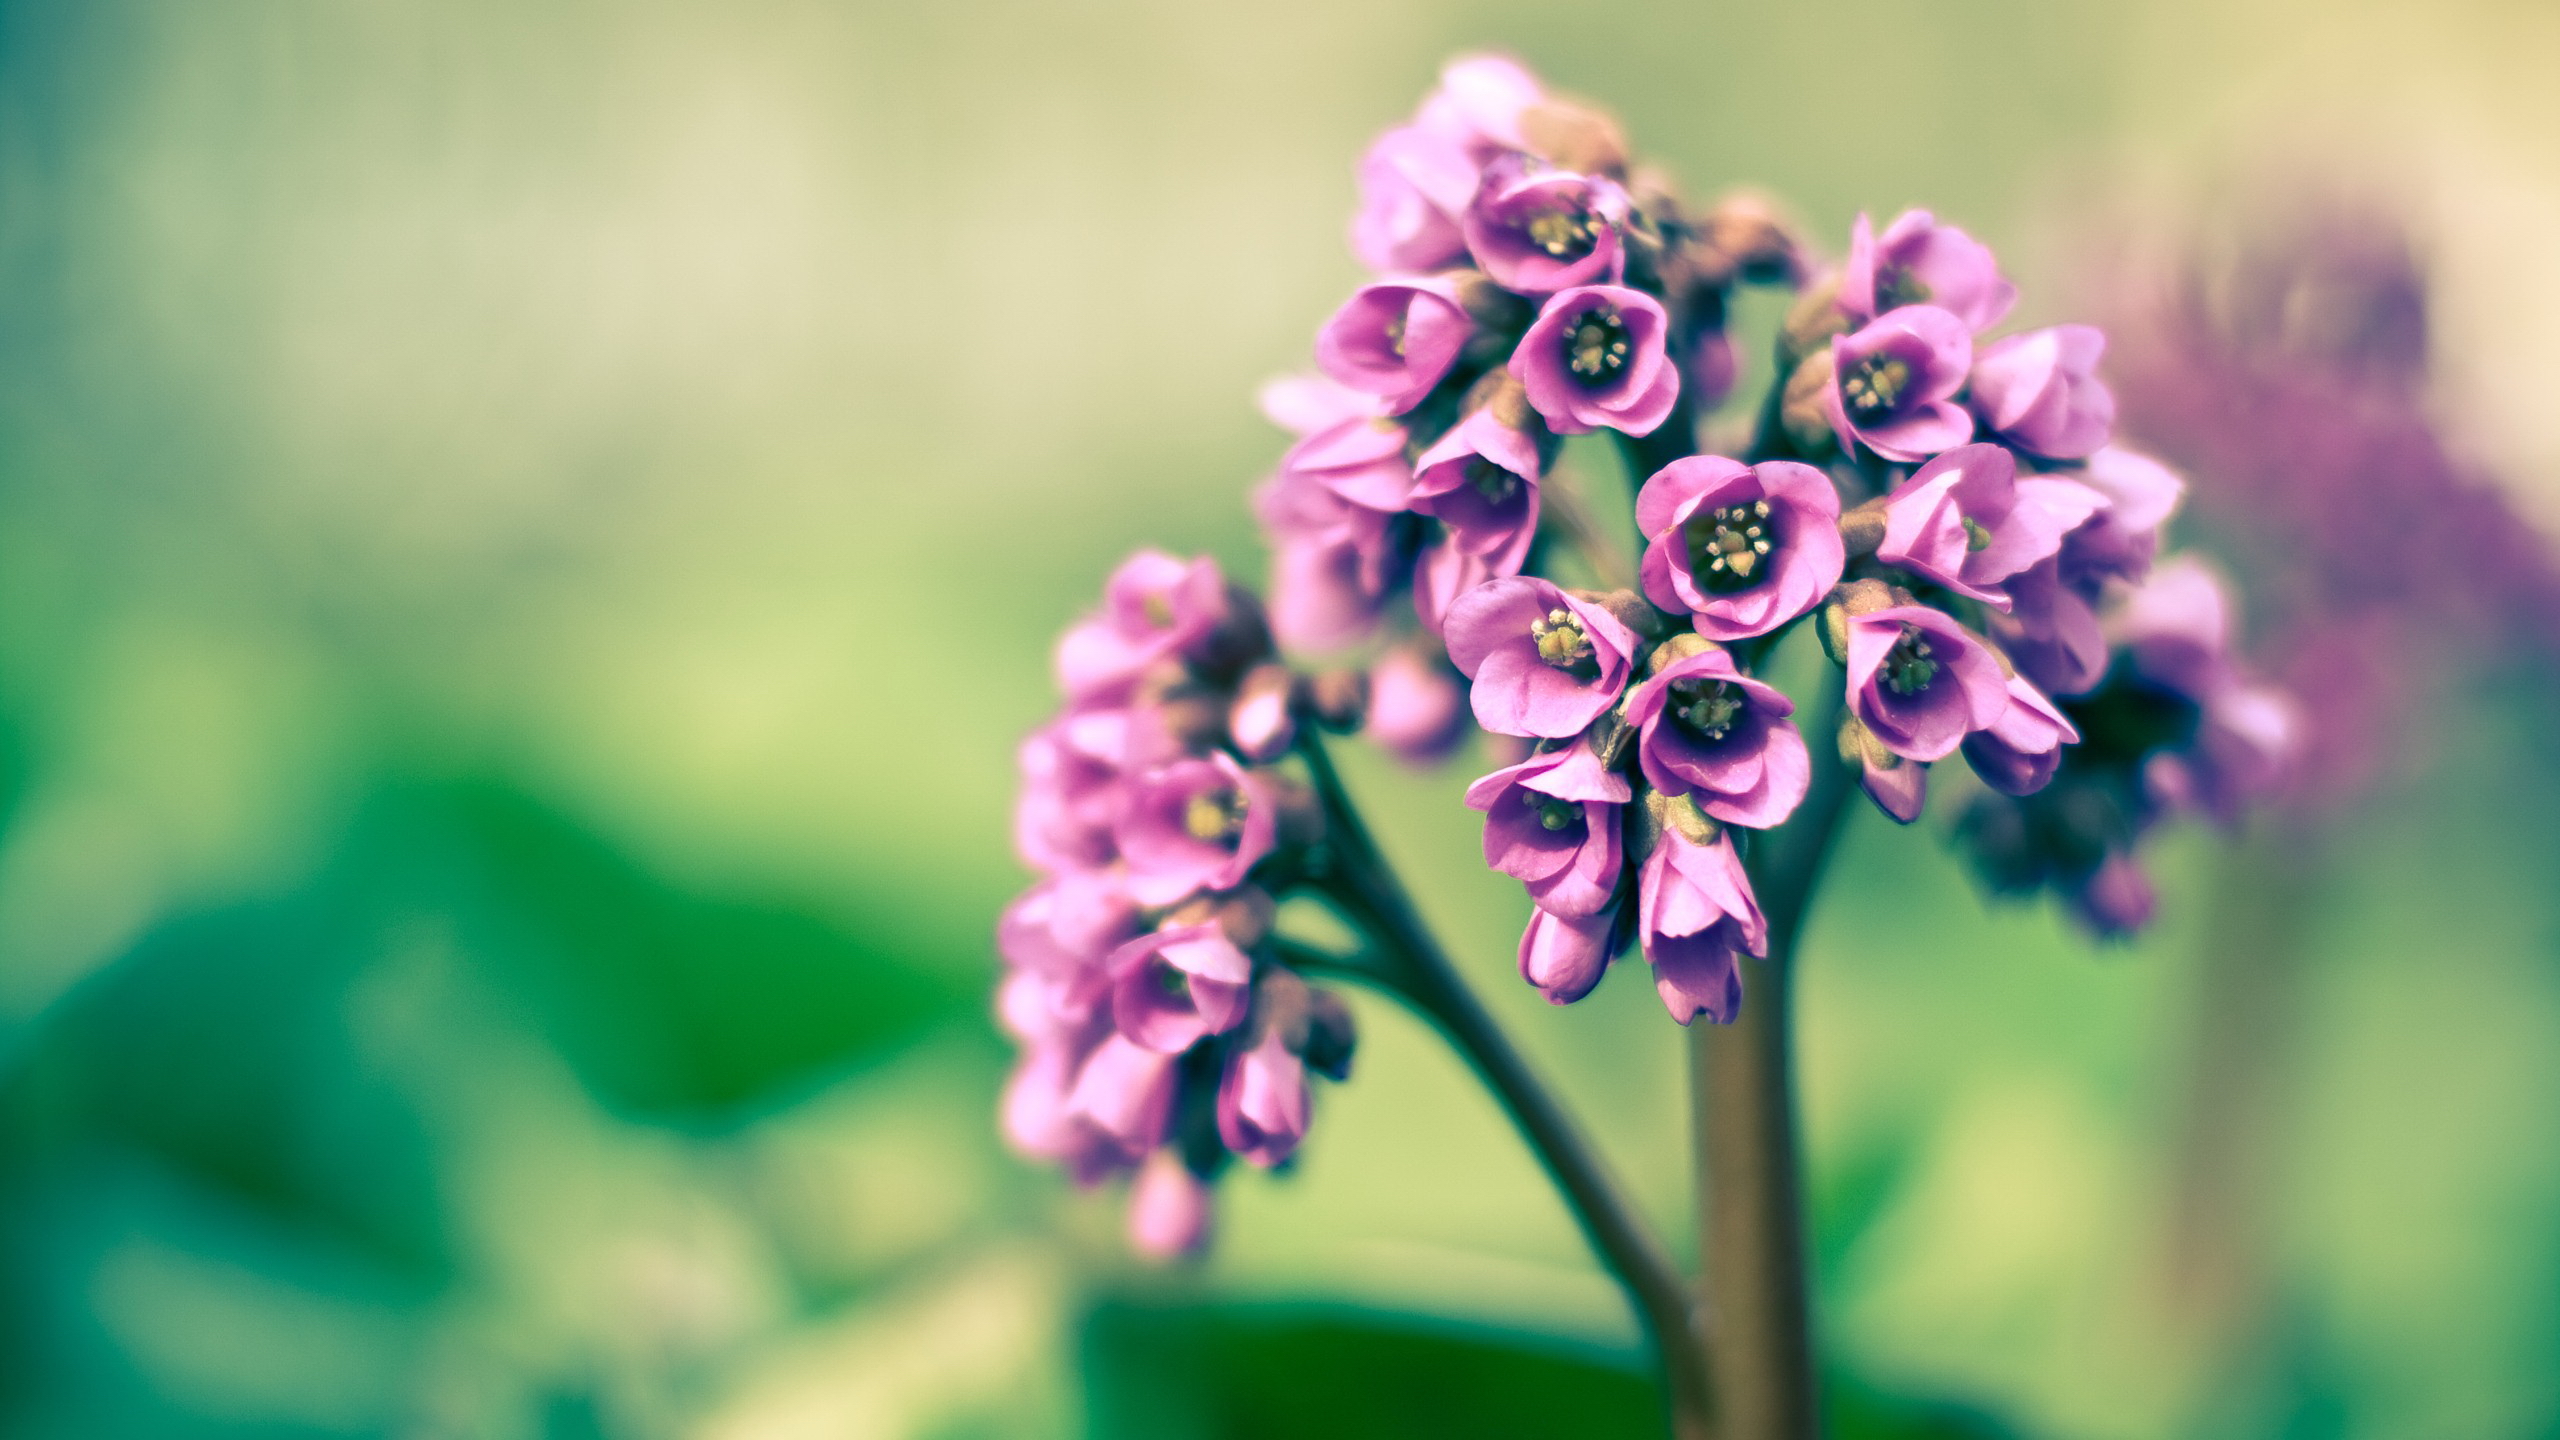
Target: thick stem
column 1751, row 1212
column 1409, row 961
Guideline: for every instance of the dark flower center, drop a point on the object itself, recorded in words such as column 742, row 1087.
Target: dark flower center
column 1491, row 481
column 1395, row 336
column 1897, row 287
column 1170, row 982
column 1596, row 347
column 1729, row 548
column 1874, row 386
column 1908, row 667
column 1553, row 814
column 1707, row 708
column 1562, row 642
column 1215, row 816
column 1565, row 234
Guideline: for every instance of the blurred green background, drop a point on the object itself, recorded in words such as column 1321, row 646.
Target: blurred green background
column 528, row 533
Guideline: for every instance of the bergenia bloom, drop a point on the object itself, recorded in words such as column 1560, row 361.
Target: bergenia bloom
column 1332, row 564
column 1444, row 571
column 2119, row 541
column 2040, row 391
column 1551, row 823
column 1414, row 183
column 1305, row 404
column 1917, row 261
column 1565, row 956
column 2018, row 753
column 1894, row 380
column 1195, row 825
column 1741, row 549
column 1361, row 461
column 2053, row 633
column 1720, row 737
column 1068, row 924
column 1169, row 1208
column 1262, row 720
column 1969, row 522
column 1920, row 682
column 1179, row 985
column 1696, row 914
column 1071, row 791
column 1125, row 1090
column 2116, row 899
column 1481, row 480
column 1596, row 359
column 1544, row 663
column 1537, row 231
column 1396, row 339
column 1417, row 708
column 1153, row 608
column 1480, row 103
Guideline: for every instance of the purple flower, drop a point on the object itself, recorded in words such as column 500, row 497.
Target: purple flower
column 1696, row 913
column 1169, row 1209
column 1480, row 103
column 1396, row 339
column 1195, row 825
column 1305, row 404
column 1361, row 461
column 1742, row 549
column 1893, row 381
column 1182, row 983
column 1708, row 731
column 1262, row 1099
column 1920, row 682
column 1414, row 182
column 2017, row 753
column 1068, row 924
column 1481, row 480
column 1417, row 708
column 2246, row 739
column 1262, row 722
column 1918, row 261
column 2119, row 541
column 1332, row 562
column 2176, row 628
column 1899, row 787
column 1595, row 358
column 2052, row 634
column 1564, row 956
column 1154, row 607
column 1444, row 571
column 1967, row 521
column 1071, row 793
column 2117, row 899
column 1544, row 663
column 2040, row 391
column 1537, row 231
column 1125, row 1090
column 1040, row 1120
column 1551, row 823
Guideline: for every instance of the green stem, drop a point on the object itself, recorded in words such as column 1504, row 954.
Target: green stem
column 1406, row 959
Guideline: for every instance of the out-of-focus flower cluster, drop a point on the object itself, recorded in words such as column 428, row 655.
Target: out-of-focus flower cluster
column 1158, row 1032
column 1945, row 502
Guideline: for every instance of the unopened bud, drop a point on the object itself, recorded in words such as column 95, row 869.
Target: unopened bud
column 1241, row 638
column 1611, row 737
column 1751, row 239
column 1680, row 814
column 1862, row 529
column 1859, row 746
column 1338, row 700
column 1300, row 819
column 1627, row 608
column 1676, row 648
column 1575, row 136
column 1805, row 408
column 1501, row 392
column 1834, row 630
column 1331, row 1036
column 1812, row 321
column 1865, row 597
column 1245, row 915
column 1262, row 722
column 1280, row 1007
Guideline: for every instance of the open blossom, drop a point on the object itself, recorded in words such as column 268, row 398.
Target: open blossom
column 2017, row 753
column 1596, row 359
column 1917, row 261
column 1444, row 571
column 1195, row 825
column 1551, row 822
column 2176, row 631
column 2052, row 633
column 1154, row 607
column 1480, row 103
column 1068, row 924
column 1361, row 461
column 1968, row 521
column 1710, row 732
column 1333, row 562
column 1920, row 682
column 1481, row 480
column 2040, row 391
column 1894, row 381
column 1417, row 179
column 1537, row 231
column 1179, row 985
column 1396, row 339
column 1741, row 549
column 1697, row 916
column 1543, row 663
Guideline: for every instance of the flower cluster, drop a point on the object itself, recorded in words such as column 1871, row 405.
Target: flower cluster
column 1158, row 1032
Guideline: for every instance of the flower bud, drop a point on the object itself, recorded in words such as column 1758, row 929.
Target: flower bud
column 1338, row 700
column 1169, row 1209
column 1746, row 233
column 1331, row 1037
column 1812, row 321
column 1802, row 410
column 1576, row 137
column 1677, row 647
column 1627, row 608
column 1862, row 529
column 1262, row 721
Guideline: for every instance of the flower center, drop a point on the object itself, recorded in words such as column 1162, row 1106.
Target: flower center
column 1875, row 386
column 1976, row 539
column 1707, row 707
column 1553, row 814
column 1596, row 347
column 1896, row 287
column 1159, row 611
column 1561, row 640
column 1170, row 982
column 1729, row 547
column 1564, row 234
column 1395, row 336
column 1493, row 482
column 1214, row 816
column 1908, row 668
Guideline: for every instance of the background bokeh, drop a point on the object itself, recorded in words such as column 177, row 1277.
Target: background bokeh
column 528, row 533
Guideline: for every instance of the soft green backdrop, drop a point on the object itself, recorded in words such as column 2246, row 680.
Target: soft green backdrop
column 528, row 533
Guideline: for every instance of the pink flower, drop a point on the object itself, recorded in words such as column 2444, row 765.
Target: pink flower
column 1920, row 682
column 1413, row 184
column 1153, row 607
column 1551, row 823
column 1894, row 381
column 1444, row 571
column 1169, row 1209
column 1177, row 986
column 1722, row 738
column 1696, row 913
column 1333, row 562
column 1068, row 924
column 1125, row 1091
column 1361, row 461
column 2017, row 753
column 1564, row 957
column 1417, row 708
column 1537, row 231
column 1396, row 339
column 1918, row 261
column 1741, row 549
column 1596, row 359
column 1544, row 663
column 1480, row 103
column 1195, row 825
column 2040, row 391
column 1967, row 521
column 1481, row 480
column 1263, row 1100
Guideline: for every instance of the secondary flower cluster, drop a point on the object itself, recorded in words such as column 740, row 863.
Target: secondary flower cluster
column 1158, row 1032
